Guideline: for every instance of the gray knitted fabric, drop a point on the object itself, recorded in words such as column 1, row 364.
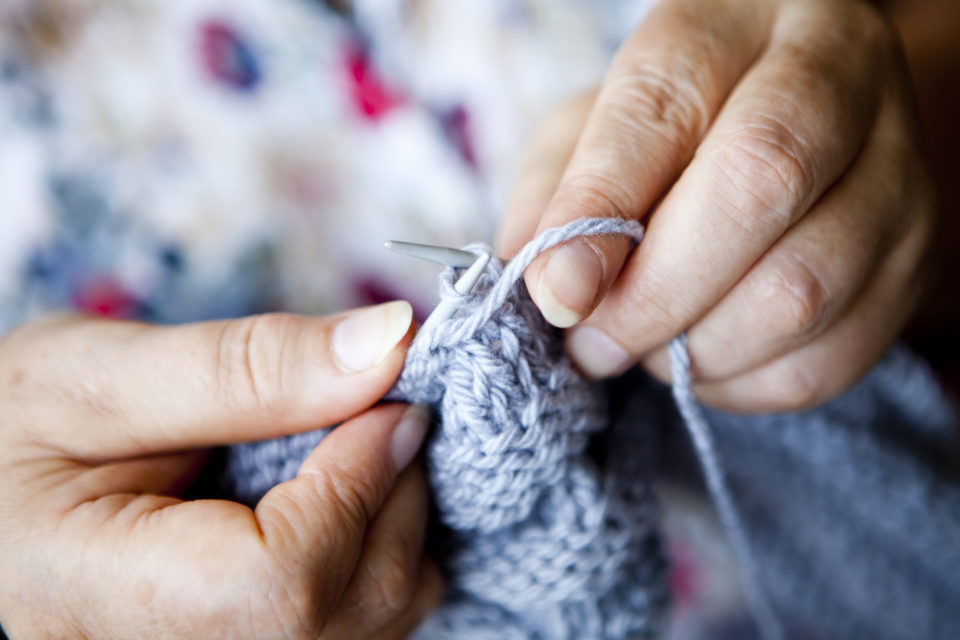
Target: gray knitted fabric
column 540, row 540
column 852, row 509
column 544, row 541
column 545, row 538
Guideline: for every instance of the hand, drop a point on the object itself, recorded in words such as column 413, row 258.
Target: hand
column 773, row 145
column 104, row 423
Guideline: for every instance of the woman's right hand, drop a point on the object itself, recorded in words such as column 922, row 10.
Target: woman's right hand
column 106, row 422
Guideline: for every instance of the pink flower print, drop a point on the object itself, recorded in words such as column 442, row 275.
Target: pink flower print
column 369, row 92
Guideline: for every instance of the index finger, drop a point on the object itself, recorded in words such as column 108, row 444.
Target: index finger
column 660, row 95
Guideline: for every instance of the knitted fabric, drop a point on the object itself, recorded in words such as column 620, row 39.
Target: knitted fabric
column 544, row 489
column 540, row 538
column 543, row 540
column 852, row 508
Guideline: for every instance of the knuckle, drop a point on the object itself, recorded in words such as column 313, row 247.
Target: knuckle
column 795, row 296
column 772, row 172
column 599, row 193
column 251, row 354
column 664, row 97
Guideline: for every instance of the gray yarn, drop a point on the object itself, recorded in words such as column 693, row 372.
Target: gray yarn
column 544, row 538
column 544, row 541
column 541, row 540
column 852, row 509
column 715, row 478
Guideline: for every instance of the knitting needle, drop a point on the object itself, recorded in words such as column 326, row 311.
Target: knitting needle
column 440, row 255
column 475, row 263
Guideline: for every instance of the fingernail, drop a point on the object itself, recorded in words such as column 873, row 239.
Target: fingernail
column 408, row 435
column 597, row 354
column 364, row 338
column 568, row 285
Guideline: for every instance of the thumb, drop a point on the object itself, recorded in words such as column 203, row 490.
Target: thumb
column 103, row 390
column 317, row 522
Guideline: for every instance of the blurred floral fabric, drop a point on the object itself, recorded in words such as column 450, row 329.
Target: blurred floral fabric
column 182, row 160
column 179, row 161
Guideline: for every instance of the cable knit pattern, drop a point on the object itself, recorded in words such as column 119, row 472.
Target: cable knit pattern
column 543, row 539
column 540, row 538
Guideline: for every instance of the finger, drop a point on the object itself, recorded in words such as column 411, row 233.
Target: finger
column 386, row 579
column 788, row 132
column 546, row 158
column 201, row 563
column 661, row 92
column 315, row 524
column 820, row 267
column 814, row 373
column 140, row 389
column 429, row 592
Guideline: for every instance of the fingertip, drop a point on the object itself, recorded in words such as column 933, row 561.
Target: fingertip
column 596, row 354
column 568, row 283
column 365, row 338
column 408, row 435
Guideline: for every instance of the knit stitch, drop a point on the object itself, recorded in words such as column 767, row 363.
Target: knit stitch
column 542, row 538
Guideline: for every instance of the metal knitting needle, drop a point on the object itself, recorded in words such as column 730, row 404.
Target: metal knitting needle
column 440, row 255
column 475, row 263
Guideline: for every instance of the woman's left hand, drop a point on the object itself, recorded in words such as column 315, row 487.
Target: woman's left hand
column 773, row 145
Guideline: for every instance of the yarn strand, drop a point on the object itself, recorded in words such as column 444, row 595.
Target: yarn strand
column 760, row 608
column 699, row 430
